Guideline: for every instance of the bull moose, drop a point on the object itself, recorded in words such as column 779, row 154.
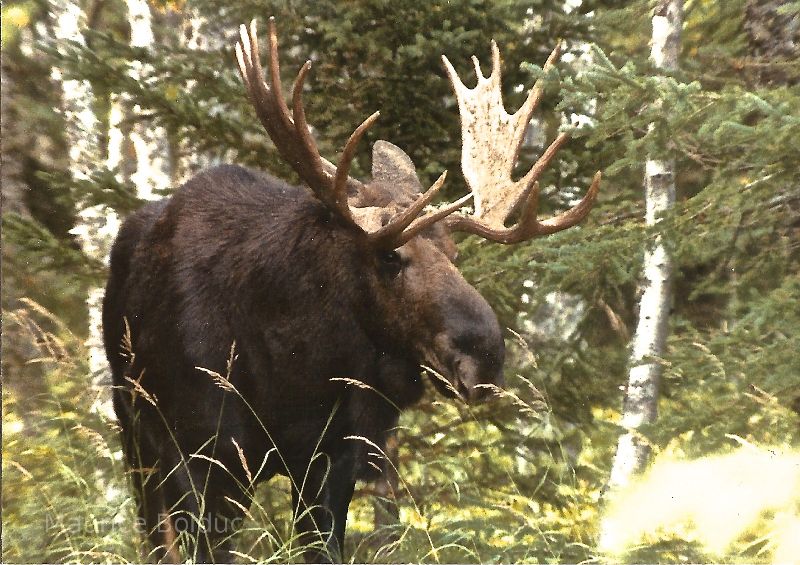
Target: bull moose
column 256, row 328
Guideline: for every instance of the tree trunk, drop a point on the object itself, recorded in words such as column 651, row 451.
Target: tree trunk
column 151, row 174
column 641, row 398
column 11, row 183
column 95, row 227
column 195, row 36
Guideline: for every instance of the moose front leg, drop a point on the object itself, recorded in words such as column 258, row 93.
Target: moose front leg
column 321, row 495
column 198, row 503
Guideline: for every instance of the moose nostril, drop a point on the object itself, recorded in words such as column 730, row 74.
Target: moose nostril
column 488, row 353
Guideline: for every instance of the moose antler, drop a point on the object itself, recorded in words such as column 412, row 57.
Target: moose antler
column 491, row 139
column 292, row 138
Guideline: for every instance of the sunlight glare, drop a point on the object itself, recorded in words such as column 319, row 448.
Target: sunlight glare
column 713, row 501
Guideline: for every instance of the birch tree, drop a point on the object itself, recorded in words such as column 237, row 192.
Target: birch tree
column 197, row 37
column 152, row 172
column 97, row 225
column 641, row 398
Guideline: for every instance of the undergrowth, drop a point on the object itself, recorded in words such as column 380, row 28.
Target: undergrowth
column 466, row 493
column 67, row 495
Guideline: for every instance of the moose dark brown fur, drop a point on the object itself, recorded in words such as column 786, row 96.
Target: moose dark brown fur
column 254, row 327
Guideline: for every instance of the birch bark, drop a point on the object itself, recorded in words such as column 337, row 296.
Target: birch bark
column 197, row 37
column 641, row 398
column 96, row 226
column 151, row 175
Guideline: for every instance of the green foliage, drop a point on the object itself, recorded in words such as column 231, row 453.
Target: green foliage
column 40, row 251
column 65, row 492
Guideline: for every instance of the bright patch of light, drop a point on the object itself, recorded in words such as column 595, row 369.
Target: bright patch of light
column 13, row 427
column 579, row 120
column 571, row 5
column 17, row 16
column 112, row 493
column 712, row 501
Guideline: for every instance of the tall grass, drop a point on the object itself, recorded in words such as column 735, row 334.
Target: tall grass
column 467, row 493
column 65, row 491
column 67, row 494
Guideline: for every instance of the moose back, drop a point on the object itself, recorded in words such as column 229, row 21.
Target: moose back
column 254, row 327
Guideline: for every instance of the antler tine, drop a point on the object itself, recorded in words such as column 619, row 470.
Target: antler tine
column 421, row 224
column 534, row 96
column 241, row 65
column 301, row 127
column 275, row 71
column 298, row 111
column 495, row 61
column 477, row 65
column 272, row 92
column 537, row 169
column 244, row 58
column 395, row 227
column 574, row 215
column 455, row 80
column 252, row 45
column 408, row 223
column 529, row 226
column 523, row 116
column 342, row 170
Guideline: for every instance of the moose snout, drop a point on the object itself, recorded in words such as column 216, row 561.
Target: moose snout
column 478, row 365
column 478, row 351
column 475, row 381
column 472, row 345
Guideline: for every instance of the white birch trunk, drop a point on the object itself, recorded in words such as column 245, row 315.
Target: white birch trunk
column 152, row 172
column 197, row 38
column 641, row 398
column 96, row 225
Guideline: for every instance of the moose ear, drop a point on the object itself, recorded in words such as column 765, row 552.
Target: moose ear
column 393, row 170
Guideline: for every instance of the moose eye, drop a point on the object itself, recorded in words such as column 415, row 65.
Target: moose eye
column 391, row 263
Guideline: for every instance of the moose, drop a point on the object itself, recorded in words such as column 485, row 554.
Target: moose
column 256, row 328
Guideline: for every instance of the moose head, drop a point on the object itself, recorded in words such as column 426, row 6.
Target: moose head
column 426, row 304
